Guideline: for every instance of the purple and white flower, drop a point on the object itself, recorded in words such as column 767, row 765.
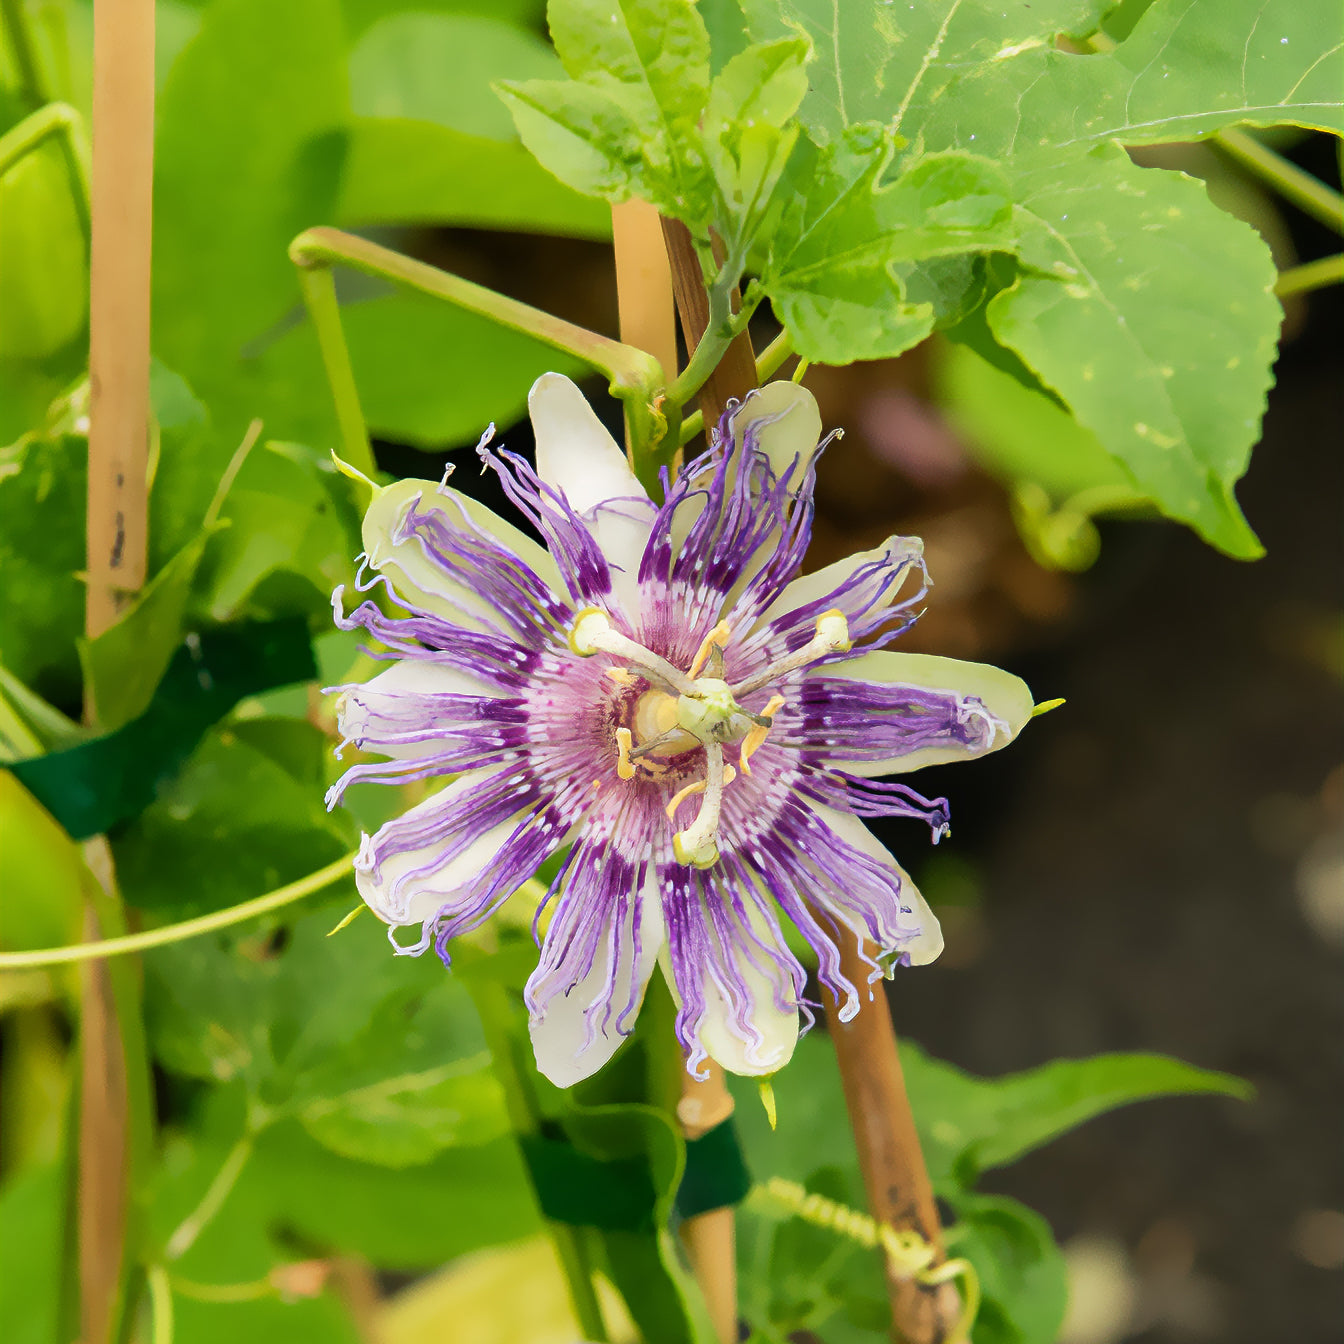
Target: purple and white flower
column 662, row 692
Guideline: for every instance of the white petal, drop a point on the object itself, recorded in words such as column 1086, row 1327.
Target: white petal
column 794, row 428
column 928, row 943
column 813, row 587
column 1005, row 696
column 420, row 898
column 559, row 1039
column 577, row 456
column 393, row 702
column 778, row 1026
column 414, row 576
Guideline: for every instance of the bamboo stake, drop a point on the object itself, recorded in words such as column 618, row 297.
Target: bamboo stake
column 121, row 206
column 894, row 1174
column 122, row 187
column 710, row 1238
column 648, row 317
column 736, row 373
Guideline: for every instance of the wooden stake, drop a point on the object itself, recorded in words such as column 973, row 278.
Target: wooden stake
column 122, row 192
column 894, row 1174
column 648, row 315
column 710, row 1238
column 121, row 203
column 736, row 374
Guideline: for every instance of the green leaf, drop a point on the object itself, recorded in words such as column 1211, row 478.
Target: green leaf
column 124, row 664
column 292, row 528
column 32, row 1225
column 746, row 131
column 840, row 240
column 439, row 67
column 582, row 135
column 413, row 172
column 45, row 876
column 1189, row 68
column 895, row 64
column 1022, row 1274
column 625, row 123
column 392, row 1069
column 248, row 152
column 42, row 486
column 1152, row 314
column 1016, row 432
column 969, row 1124
column 239, row 822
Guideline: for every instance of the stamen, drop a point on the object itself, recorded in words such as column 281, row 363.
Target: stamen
column 751, row 743
column 696, row 786
column 717, row 637
column 832, row 637
column 592, row 633
column 625, row 768
column 697, row 844
column 620, row 675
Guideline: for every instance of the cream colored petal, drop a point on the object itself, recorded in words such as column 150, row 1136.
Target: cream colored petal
column 560, row 1037
column 414, row 576
column 394, row 702
column 778, row 1027
column 927, row 944
column 1005, row 696
column 792, row 430
column 575, row 454
column 902, row 551
column 417, row 899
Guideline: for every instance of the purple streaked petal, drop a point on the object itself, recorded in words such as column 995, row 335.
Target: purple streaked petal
column 885, row 713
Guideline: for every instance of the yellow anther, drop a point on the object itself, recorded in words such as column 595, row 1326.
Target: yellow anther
column 621, row 675
column 696, row 786
column 758, row 734
column 833, row 630
column 589, row 622
column 720, row 636
column 625, row 767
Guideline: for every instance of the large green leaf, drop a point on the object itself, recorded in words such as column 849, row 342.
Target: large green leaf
column 380, row 1059
column 234, row 823
column 1152, row 314
column 834, row 271
column 400, row 68
column 1188, row 69
column 42, row 487
column 894, row 63
column 411, row 172
column 248, row 152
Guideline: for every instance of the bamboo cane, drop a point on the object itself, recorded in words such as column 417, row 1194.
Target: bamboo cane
column 121, row 196
column 894, row 1174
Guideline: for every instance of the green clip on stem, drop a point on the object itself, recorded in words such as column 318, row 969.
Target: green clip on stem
column 635, row 378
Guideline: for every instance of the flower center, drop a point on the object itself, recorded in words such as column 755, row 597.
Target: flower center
column 683, row 711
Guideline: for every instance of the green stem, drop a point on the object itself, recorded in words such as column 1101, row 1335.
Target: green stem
column 191, row 928
column 520, row 1100
column 634, row 377
column 160, row 1305
column 1311, row 275
column 319, row 294
column 25, row 54
column 1306, row 192
column 212, row 1201
column 223, row 1292
column 767, row 362
column 55, row 121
